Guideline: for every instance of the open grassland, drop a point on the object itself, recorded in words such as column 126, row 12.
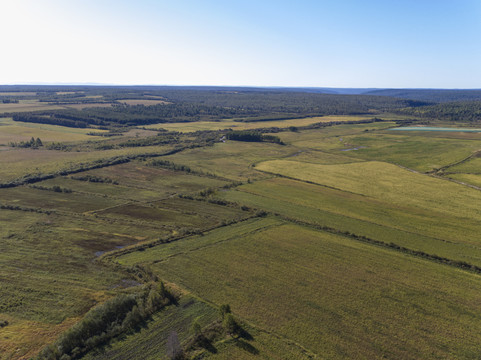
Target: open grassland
column 134, row 181
column 188, row 215
column 13, row 131
column 387, row 183
column 167, row 182
column 27, row 105
column 471, row 179
column 422, row 153
column 85, row 106
column 330, row 138
column 48, row 276
column 239, row 125
column 301, row 278
column 336, row 297
column 104, row 189
column 17, row 163
column 51, row 200
column 421, row 230
column 232, row 159
column 471, row 166
column 321, row 157
column 370, row 142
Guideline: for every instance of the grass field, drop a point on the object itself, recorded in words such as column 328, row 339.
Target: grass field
column 146, row 102
column 415, row 152
column 405, row 226
column 14, row 131
column 27, row 105
column 472, row 166
column 351, row 300
column 471, row 179
column 387, row 183
column 48, row 276
column 299, row 278
column 238, row 125
column 233, row 159
column 16, row 163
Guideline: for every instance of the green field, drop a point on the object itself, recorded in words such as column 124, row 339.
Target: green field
column 239, row 125
column 343, row 241
column 351, row 300
column 12, row 131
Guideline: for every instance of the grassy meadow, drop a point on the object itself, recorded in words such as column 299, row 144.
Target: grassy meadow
column 12, row 131
column 345, row 241
column 351, row 300
column 240, row 125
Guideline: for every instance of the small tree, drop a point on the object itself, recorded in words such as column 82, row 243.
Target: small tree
column 224, row 309
column 196, row 328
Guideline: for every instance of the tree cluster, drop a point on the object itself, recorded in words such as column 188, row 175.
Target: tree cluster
column 115, row 317
column 252, row 136
column 32, row 143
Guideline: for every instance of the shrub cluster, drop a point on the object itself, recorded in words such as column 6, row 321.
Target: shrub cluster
column 55, row 188
column 32, row 143
column 252, row 136
column 95, row 179
column 120, row 315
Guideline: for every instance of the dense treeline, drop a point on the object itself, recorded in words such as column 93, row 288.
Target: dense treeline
column 432, row 95
column 186, row 104
column 266, row 102
column 454, row 111
column 130, row 115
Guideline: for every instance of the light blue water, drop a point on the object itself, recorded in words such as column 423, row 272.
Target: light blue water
column 432, row 128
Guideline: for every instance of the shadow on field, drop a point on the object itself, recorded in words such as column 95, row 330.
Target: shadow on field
column 244, row 345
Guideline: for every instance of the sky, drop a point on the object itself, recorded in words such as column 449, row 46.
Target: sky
column 301, row 43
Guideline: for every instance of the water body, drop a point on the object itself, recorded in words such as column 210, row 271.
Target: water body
column 432, row 128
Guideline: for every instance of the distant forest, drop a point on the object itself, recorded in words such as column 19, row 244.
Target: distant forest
column 186, row 104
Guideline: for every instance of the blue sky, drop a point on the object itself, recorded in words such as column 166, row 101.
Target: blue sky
column 336, row 43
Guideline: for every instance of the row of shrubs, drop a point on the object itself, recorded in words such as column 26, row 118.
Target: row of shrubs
column 179, row 167
column 55, row 188
column 120, row 315
column 23, row 208
column 95, row 179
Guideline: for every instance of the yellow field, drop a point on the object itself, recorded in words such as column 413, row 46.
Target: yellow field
column 386, row 182
column 237, row 125
column 19, row 93
column 14, row 131
column 84, row 106
column 145, row 102
column 27, row 105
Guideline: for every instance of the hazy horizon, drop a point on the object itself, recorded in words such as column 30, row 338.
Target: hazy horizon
column 320, row 44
